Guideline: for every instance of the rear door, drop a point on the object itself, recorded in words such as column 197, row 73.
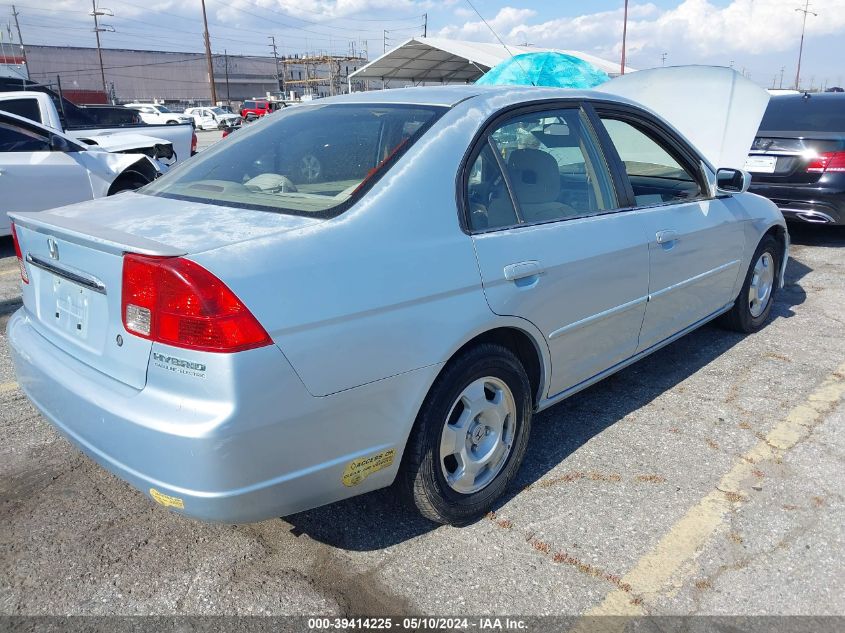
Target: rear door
column 695, row 241
column 551, row 244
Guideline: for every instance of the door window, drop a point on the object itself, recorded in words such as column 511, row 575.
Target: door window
column 17, row 139
column 27, row 108
column 553, row 170
column 656, row 174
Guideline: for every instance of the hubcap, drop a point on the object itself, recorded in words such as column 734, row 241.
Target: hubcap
column 762, row 282
column 310, row 167
column 478, row 435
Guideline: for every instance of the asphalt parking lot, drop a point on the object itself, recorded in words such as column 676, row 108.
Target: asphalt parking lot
column 706, row 479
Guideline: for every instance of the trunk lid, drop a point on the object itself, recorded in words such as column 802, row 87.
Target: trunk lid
column 74, row 260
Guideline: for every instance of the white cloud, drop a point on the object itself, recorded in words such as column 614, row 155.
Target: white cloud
column 694, row 28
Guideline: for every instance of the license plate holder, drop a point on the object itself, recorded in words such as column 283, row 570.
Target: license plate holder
column 761, row 164
column 71, row 303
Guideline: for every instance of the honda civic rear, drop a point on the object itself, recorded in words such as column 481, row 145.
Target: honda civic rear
column 132, row 344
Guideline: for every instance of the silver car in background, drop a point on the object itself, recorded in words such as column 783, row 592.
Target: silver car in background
column 240, row 342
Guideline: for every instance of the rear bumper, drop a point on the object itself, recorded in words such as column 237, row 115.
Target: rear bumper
column 804, row 203
column 248, row 444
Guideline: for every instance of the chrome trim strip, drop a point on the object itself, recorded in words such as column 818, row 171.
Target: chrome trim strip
column 552, row 400
column 698, row 277
column 596, row 317
column 86, row 282
column 809, row 215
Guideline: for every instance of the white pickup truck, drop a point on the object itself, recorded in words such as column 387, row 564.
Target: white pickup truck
column 166, row 143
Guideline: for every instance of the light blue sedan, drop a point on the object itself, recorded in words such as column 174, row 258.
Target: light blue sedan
column 381, row 288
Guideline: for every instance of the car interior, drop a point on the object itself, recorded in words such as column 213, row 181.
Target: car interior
column 550, row 162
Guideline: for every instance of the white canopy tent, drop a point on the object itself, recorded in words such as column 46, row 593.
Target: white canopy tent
column 438, row 60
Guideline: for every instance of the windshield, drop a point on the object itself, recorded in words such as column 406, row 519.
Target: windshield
column 217, row 110
column 307, row 160
column 804, row 114
column 162, row 109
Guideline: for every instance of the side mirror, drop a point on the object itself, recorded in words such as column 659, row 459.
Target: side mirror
column 730, row 181
column 60, row 144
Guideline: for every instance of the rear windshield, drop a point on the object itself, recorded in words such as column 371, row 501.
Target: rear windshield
column 306, row 160
column 799, row 114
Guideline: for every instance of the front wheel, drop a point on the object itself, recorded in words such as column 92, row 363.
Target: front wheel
column 470, row 436
column 754, row 303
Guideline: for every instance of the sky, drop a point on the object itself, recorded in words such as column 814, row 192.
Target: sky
column 757, row 37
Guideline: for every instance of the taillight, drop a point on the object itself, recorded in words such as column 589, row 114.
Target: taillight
column 178, row 302
column 19, row 255
column 194, row 142
column 827, row 162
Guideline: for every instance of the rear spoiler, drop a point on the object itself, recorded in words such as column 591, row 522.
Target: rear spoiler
column 87, row 234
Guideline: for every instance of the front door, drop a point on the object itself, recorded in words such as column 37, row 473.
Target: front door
column 551, row 246
column 34, row 178
column 695, row 241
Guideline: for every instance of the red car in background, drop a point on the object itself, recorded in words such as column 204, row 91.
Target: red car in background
column 255, row 108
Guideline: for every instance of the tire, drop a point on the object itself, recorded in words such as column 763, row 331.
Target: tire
column 429, row 478
column 750, row 312
column 129, row 183
column 172, row 122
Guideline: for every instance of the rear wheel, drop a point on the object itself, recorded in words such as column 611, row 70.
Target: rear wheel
column 754, row 303
column 470, row 436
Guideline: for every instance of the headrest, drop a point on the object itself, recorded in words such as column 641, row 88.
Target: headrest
column 534, row 175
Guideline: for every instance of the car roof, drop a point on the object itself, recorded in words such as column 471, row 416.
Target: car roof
column 452, row 95
column 810, row 96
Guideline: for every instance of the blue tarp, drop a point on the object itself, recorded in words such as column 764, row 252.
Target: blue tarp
column 555, row 70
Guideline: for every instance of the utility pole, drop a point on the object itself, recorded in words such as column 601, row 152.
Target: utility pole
column 805, row 11
column 97, row 29
column 20, row 38
column 425, row 24
column 272, row 45
column 624, row 37
column 782, row 68
column 384, row 42
column 226, row 66
column 208, row 56
column 663, row 59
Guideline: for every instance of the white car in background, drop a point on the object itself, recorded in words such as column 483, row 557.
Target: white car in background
column 42, row 169
column 156, row 114
column 215, row 118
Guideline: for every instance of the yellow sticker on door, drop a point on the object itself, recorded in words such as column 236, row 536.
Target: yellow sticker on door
column 358, row 470
column 167, row 500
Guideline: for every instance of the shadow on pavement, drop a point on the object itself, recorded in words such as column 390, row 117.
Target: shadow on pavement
column 379, row 519
column 820, row 235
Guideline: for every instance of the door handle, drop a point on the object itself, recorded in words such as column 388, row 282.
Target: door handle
column 521, row 270
column 667, row 237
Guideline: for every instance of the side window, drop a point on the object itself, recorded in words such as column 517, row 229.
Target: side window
column 490, row 204
column 16, row 139
column 27, row 108
column 554, row 171
column 656, row 176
